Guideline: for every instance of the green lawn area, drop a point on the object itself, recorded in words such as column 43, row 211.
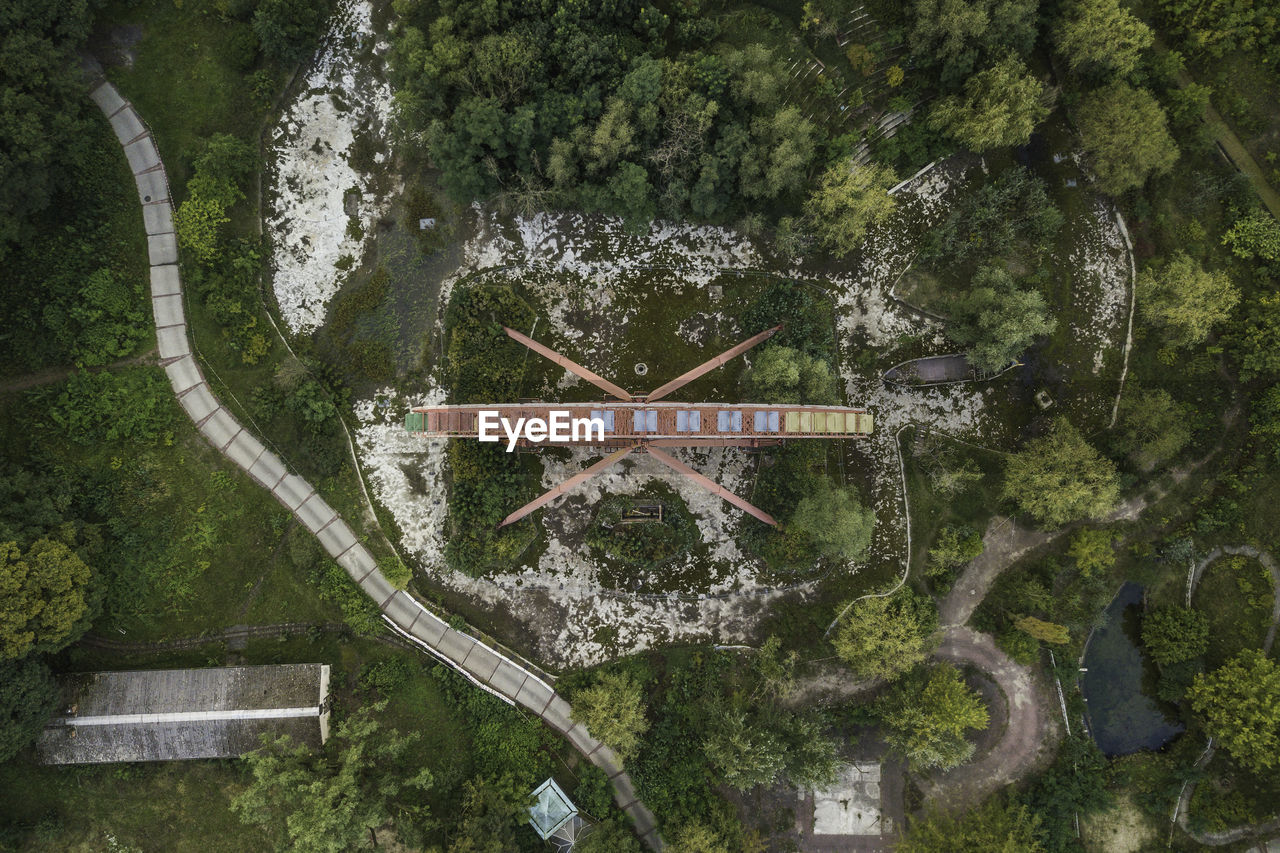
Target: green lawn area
column 1236, row 594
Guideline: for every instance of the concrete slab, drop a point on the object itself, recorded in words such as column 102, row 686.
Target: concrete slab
column 157, row 218
column 377, row 587
column 454, row 646
column 401, row 609
column 162, row 248
column 168, row 310
column 151, row 186
column 220, row 428
column 315, row 513
column 165, row 280
column 559, row 715
column 481, row 662
column 336, row 538
column 581, row 739
column 199, row 403
column 173, row 342
column 507, row 678
column 534, row 695
column 429, row 629
column 268, row 470
column 851, row 805
column 183, row 374
column 292, row 491
column 107, row 98
column 244, row 450
column 127, row 126
column 357, row 562
column 623, row 791
column 142, row 155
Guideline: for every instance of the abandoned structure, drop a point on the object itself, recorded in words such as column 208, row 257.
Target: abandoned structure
column 180, row 714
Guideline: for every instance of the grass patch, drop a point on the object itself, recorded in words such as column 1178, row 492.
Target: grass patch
column 1236, row 594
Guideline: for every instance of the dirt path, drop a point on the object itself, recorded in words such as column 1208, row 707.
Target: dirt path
column 1030, row 734
column 50, row 375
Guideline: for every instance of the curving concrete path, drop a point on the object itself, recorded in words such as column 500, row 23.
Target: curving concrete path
column 484, row 666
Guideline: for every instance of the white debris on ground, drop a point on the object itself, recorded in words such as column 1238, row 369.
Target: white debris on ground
column 574, row 267
column 1100, row 292
column 312, row 224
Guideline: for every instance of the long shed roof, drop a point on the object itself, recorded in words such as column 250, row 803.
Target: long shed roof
column 175, row 714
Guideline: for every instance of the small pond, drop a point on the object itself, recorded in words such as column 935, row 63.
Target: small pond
column 1123, row 717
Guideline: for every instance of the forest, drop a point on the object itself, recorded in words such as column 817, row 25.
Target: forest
column 128, row 542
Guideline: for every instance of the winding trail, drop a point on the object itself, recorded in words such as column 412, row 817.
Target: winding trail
column 1182, row 809
column 484, row 666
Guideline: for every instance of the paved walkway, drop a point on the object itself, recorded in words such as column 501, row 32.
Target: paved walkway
column 484, row 666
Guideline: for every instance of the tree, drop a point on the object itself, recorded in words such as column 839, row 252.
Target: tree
column 995, row 320
column 849, row 200
column 1100, row 37
column 832, row 522
column 927, row 714
column 1240, row 705
column 1059, row 478
column 785, row 375
column 613, row 710
column 1001, row 107
column 697, row 838
column 1093, row 549
column 955, row 546
column 43, row 604
column 288, row 29
column 882, row 636
column 959, row 34
column 744, row 753
column 1153, row 427
column 1185, row 300
column 991, row 828
column 1175, row 634
column 1259, row 345
column 330, row 800
column 1254, row 235
column 1045, row 632
column 1074, row 785
column 224, row 163
column 44, row 126
column 28, row 695
column 1125, row 133
column 492, row 809
column 609, row 837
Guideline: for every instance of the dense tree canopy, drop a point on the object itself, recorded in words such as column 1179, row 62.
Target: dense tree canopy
column 785, row 375
column 1174, row 634
column 832, row 522
column 995, row 320
column 1153, row 427
column 1185, row 300
column 613, row 711
column 927, row 714
column 581, row 108
column 44, row 123
column 44, row 601
column 1125, row 133
column 1240, row 705
column 28, row 694
column 330, row 801
column 1001, row 106
column 848, row 201
column 882, row 636
column 959, row 35
column 1059, row 478
column 1099, row 37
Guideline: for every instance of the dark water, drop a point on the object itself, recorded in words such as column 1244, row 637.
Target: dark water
column 1124, row 719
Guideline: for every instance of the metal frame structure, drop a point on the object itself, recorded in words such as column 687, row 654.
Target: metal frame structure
column 655, row 425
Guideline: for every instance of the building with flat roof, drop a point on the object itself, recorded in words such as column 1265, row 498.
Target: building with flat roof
column 181, row 714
